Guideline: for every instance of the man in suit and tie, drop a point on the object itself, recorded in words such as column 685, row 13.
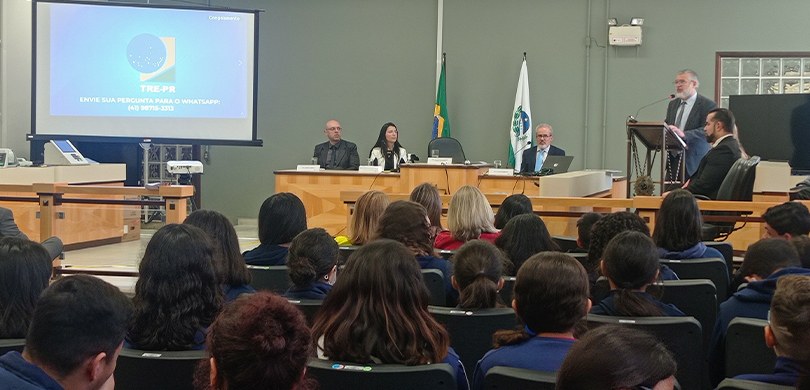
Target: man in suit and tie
column 533, row 157
column 725, row 150
column 336, row 153
column 685, row 116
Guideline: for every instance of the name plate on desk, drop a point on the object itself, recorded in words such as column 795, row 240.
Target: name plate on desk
column 370, row 168
column 440, row 160
column 308, row 168
column 501, row 172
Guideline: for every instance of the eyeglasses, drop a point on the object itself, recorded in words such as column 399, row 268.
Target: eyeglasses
column 544, row 135
column 338, row 128
column 681, row 82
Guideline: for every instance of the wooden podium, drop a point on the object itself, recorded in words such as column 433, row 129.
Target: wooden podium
column 656, row 137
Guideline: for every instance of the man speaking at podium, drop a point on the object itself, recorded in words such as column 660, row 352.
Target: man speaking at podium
column 533, row 157
column 336, row 153
column 685, row 117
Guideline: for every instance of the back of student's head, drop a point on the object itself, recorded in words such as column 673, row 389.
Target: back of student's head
column 228, row 262
column 802, row 245
column 427, row 195
column 630, row 261
column 478, row 268
column 313, row 254
column 616, row 357
column 406, row 222
column 367, row 212
column 469, row 214
column 790, row 317
column 523, row 236
column 767, row 256
column 177, row 293
column 678, row 223
column 551, row 295
column 584, row 225
column 77, row 317
column 25, row 268
column 788, row 218
column 281, row 217
column 377, row 310
column 259, row 338
column 608, row 227
column 512, row 206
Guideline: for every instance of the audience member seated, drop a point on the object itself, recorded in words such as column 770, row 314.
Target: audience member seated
column 524, row 236
column 468, row 217
column 788, row 332
column 313, row 264
column 387, row 151
column 281, row 217
column 678, row 227
column 477, row 275
column 551, row 296
column 257, row 339
column 367, row 211
column 377, row 313
column 787, row 220
column 802, row 245
column 177, row 295
column 617, row 357
column 764, row 263
column 25, row 268
column 608, row 227
column 630, row 263
column 407, row 222
column 584, row 225
column 427, row 195
column 9, row 228
column 229, row 265
column 512, row 206
column 74, row 338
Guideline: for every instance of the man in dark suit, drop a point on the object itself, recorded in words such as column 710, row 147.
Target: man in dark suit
column 685, row 117
column 718, row 161
column 533, row 158
column 336, row 153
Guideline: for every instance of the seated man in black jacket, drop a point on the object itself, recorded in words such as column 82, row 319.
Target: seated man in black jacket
column 718, row 161
column 336, row 153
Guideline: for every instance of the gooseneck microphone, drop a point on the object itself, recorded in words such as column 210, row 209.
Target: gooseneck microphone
column 632, row 118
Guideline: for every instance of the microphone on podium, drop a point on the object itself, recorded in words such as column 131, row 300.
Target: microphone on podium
column 632, row 118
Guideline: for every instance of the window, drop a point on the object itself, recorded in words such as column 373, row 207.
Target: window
column 760, row 73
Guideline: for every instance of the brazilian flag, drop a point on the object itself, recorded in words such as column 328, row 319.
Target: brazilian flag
column 441, row 122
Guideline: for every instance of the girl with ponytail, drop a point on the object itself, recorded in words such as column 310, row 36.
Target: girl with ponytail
column 478, row 269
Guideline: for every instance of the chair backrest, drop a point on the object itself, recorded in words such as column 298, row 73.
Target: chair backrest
column 447, row 147
column 446, row 254
column 346, row 251
column 507, row 290
column 510, row 378
column 681, row 335
column 333, row 375
column 156, row 370
column 8, row 345
column 309, row 307
column 471, row 330
column 566, row 243
column 746, row 352
column 739, row 384
column 696, row 298
column 711, row 268
column 727, row 251
column 739, row 181
column 434, row 280
column 275, row 278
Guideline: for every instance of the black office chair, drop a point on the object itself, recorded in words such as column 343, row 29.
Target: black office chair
column 566, row 243
column 737, row 186
column 471, row 330
column 446, row 254
column 434, row 280
column 275, row 278
column 507, row 290
column 727, row 251
column 138, row 370
column 333, row 375
column 681, row 335
column 346, row 251
column 447, row 147
column 309, row 307
column 8, row 345
column 739, row 384
column 510, row 378
column 746, row 352
column 712, row 269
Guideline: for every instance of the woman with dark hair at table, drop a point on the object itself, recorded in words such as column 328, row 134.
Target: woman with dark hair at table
column 281, row 217
column 229, row 265
column 387, row 152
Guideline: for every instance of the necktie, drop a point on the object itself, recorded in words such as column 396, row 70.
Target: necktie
column 540, row 158
column 680, row 114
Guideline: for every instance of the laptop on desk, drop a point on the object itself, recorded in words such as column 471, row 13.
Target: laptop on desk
column 556, row 164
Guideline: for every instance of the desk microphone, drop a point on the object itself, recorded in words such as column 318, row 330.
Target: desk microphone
column 632, row 118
